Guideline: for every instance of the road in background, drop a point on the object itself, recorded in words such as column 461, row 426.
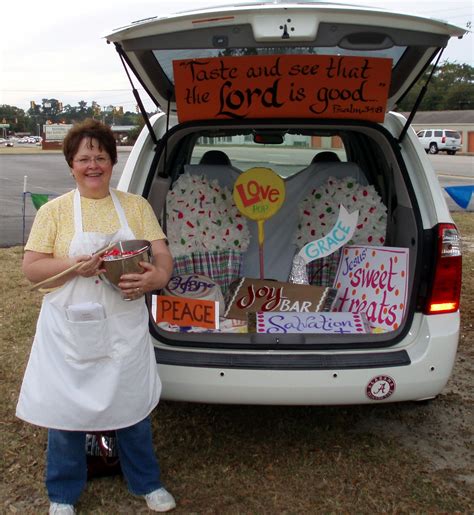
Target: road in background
column 48, row 173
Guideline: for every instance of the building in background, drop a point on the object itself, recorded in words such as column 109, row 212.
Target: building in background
column 461, row 121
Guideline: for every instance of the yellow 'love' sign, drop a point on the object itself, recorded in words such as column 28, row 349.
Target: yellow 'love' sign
column 258, row 194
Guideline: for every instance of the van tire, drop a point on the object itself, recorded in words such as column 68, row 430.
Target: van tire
column 433, row 148
column 451, row 152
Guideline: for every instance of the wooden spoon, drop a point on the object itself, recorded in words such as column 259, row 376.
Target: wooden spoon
column 70, row 269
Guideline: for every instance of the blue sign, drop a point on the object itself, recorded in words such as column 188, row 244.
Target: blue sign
column 461, row 194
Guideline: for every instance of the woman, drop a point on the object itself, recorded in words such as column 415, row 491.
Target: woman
column 98, row 373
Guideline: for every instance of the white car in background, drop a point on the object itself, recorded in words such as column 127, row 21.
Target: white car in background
column 440, row 140
column 412, row 361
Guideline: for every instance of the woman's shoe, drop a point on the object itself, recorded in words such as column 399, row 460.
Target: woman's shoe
column 56, row 508
column 160, row 500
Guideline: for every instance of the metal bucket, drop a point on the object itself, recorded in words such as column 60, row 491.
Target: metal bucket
column 122, row 263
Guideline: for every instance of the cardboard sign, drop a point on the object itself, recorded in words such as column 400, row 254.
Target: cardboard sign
column 373, row 280
column 282, row 86
column 258, row 194
column 252, row 295
column 187, row 312
column 338, row 236
column 194, row 286
column 311, row 323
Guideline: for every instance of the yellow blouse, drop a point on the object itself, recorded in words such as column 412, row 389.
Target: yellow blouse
column 53, row 227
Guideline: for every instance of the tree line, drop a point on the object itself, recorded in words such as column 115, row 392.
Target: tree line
column 51, row 110
column 451, row 87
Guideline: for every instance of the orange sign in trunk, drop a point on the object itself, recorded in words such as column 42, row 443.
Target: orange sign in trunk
column 282, row 86
column 186, row 312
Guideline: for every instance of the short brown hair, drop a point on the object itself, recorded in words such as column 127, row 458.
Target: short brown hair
column 92, row 129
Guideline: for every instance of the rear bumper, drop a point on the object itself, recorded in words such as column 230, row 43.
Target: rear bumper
column 414, row 371
column 454, row 146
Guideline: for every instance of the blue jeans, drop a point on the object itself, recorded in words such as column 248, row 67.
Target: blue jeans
column 66, row 472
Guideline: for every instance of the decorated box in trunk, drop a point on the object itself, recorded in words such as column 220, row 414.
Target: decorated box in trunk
column 206, row 232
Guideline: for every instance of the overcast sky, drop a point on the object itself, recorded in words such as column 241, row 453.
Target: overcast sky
column 56, row 49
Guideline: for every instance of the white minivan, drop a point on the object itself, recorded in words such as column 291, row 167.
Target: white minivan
column 297, row 203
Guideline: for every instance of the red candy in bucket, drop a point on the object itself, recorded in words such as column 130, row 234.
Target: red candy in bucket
column 117, row 253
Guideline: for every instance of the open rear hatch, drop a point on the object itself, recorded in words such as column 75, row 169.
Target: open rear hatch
column 150, row 46
column 354, row 48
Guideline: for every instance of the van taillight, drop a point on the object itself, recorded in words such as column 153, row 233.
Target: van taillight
column 443, row 139
column 445, row 291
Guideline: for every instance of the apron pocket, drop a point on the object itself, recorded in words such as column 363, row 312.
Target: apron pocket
column 130, row 330
column 89, row 341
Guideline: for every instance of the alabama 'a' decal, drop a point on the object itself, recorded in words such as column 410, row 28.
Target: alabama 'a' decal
column 380, row 388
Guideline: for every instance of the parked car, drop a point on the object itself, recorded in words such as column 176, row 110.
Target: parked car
column 436, row 140
column 236, row 81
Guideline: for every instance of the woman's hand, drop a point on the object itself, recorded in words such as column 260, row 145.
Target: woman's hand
column 91, row 266
column 134, row 286
column 154, row 276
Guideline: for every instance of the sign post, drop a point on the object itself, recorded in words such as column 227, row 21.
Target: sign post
column 258, row 194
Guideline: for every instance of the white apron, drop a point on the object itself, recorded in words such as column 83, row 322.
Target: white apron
column 90, row 375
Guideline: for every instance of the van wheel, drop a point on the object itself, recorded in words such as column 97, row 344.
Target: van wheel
column 433, row 148
column 451, row 152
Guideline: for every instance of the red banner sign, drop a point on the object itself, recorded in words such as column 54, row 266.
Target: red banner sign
column 282, row 86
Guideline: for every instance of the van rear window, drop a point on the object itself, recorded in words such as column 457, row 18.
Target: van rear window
column 295, row 153
column 166, row 57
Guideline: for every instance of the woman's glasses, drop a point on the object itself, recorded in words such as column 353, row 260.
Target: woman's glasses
column 86, row 161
